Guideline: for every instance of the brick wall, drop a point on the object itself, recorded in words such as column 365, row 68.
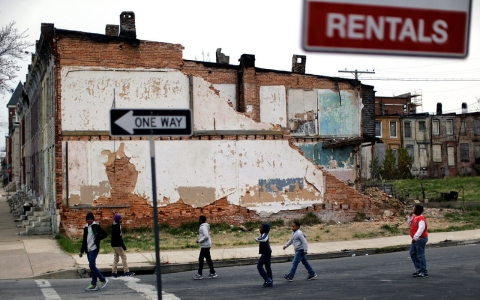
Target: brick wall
column 90, row 50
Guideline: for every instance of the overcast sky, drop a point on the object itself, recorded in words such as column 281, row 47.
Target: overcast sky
column 269, row 29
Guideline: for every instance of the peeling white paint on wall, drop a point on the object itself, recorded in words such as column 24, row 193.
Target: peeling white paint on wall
column 273, row 105
column 88, row 94
column 229, row 92
column 231, row 169
column 211, row 112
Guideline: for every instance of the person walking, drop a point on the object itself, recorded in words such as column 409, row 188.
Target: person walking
column 92, row 235
column 300, row 245
column 266, row 255
column 419, row 235
column 118, row 247
column 205, row 243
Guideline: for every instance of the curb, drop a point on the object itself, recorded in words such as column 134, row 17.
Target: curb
column 192, row 266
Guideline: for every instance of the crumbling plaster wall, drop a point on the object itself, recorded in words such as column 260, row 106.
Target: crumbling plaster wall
column 262, row 175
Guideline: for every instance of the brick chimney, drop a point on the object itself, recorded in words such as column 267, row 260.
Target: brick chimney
column 464, row 108
column 298, row 63
column 112, row 30
column 439, row 108
column 127, row 24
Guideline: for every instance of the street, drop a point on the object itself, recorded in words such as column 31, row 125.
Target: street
column 454, row 274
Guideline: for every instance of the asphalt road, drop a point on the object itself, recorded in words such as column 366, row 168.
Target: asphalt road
column 454, row 274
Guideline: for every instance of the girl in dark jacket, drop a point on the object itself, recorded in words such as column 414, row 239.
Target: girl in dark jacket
column 266, row 255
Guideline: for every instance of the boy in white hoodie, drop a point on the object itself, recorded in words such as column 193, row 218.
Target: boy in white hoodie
column 301, row 249
column 205, row 244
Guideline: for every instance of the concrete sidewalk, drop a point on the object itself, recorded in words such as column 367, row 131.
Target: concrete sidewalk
column 41, row 256
column 28, row 256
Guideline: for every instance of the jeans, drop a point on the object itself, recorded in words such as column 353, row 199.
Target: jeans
column 300, row 257
column 417, row 253
column 94, row 272
column 265, row 260
column 205, row 254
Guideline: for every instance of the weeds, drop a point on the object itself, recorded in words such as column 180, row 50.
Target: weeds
column 310, row 219
column 367, row 235
column 390, row 229
column 359, row 217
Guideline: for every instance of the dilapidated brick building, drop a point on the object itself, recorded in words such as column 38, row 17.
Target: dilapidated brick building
column 258, row 149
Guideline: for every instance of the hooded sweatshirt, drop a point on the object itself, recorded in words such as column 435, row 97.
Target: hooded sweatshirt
column 92, row 235
column 204, row 236
column 264, row 244
column 299, row 241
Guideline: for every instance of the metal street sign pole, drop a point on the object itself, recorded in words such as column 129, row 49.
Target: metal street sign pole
column 155, row 219
column 153, row 122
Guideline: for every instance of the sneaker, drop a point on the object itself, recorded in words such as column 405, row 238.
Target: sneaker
column 268, row 283
column 311, row 276
column 91, row 287
column 422, row 275
column 415, row 274
column 128, row 274
column 288, row 277
column 102, row 285
column 114, row 275
column 212, row 275
column 198, row 277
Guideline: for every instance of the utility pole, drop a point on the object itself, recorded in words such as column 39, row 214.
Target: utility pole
column 356, row 72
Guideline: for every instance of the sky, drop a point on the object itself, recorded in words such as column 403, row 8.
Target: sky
column 271, row 30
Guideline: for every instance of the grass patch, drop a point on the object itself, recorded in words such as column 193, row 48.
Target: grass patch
column 391, row 229
column 433, row 187
column 367, row 235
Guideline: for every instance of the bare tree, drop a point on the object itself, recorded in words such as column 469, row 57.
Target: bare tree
column 13, row 46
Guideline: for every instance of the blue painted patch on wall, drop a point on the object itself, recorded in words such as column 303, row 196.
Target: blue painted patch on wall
column 280, row 185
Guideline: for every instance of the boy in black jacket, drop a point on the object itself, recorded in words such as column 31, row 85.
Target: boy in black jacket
column 92, row 235
column 118, row 247
column 266, row 255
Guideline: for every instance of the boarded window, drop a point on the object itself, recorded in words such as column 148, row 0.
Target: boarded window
column 451, row 155
column 464, row 152
column 423, row 156
column 435, row 127
column 393, row 129
column 378, row 128
column 476, row 127
column 407, row 126
column 449, row 127
column 463, row 128
column 421, row 126
column 437, row 153
column 410, row 152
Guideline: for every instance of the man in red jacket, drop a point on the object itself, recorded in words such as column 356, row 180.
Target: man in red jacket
column 419, row 234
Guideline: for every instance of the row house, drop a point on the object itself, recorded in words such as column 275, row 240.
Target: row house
column 267, row 144
column 455, row 143
column 11, row 163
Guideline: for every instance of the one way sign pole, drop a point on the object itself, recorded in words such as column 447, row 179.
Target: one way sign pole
column 152, row 122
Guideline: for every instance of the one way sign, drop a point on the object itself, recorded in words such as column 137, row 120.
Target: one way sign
column 159, row 122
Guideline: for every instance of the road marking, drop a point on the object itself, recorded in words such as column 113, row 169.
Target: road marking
column 147, row 290
column 47, row 290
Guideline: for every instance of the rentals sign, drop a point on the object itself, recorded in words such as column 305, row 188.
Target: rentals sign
column 406, row 27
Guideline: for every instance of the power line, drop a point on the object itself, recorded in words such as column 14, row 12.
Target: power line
column 421, row 79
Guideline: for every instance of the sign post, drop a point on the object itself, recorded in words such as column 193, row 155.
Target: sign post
column 409, row 27
column 153, row 122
